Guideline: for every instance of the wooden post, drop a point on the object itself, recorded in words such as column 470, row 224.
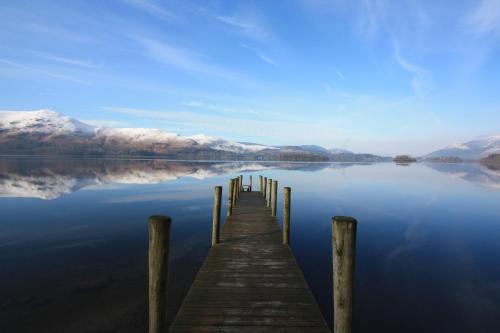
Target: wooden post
column 275, row 198
column 159, row 232
column 230, row 197
column 241, row 183
column 269, row 184
column 264, row 192
column 286, row 215
column 251, row 181
column 216, row 215
column 260, row 184
column 344, row 246
column 235, row 192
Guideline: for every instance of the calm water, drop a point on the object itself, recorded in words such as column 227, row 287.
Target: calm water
column 73, row 239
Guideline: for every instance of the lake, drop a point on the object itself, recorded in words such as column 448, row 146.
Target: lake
column 74, row 242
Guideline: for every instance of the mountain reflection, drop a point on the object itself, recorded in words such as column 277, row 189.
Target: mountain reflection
column 51, row 178
column 472, row 172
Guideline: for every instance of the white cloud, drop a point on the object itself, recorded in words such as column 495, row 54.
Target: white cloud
column 339, row 74
column 486, row 18
column 259, row 54
column 42, row 71
column 104, row 123
column 183, row 59
column 151, row 8
column 273, row 127
column 422, row 82
column 247, row 25
column 74, row 62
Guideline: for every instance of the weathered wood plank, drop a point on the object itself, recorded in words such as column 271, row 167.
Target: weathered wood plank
column 250, row 281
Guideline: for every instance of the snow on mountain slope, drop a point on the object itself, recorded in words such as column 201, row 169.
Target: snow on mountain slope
column 475, row 149
column 226, row 145
column 42, row 121
column 131, row 135
column 50, row 122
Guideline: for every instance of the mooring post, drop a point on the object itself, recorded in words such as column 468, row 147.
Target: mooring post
column 264, row 192
column 159, row 232
column 241, row 183
column 269, row 184
column 216, row 215
column 251, row 181
column 260, row 184
column 344, row 246
column 234, row 192
column 275, row 198
column 286, row 215
column 230, row 197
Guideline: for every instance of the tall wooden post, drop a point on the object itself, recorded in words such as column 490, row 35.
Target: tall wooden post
column 251, row 183
column 230, row 197
column 269, row 184
column 159, row 234
column 275, row 198
column 286, row 214
column 241, row 183
column 264, row 192
column 260, row 184
column 344, row 246
column 235, row 192
column 236, row 186
column 216, row 215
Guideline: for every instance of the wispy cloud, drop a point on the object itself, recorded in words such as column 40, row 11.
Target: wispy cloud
column 422, row 81
column 219, row 108
column 75, row 62
column 183, row 59
column 276, row 128
column 104, row 123
column 339, row 74
column 485, row 20
column 260, row 55
column 151, row 8
column 42, row 71
column 247, row 24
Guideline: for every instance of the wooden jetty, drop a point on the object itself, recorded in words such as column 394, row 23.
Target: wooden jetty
column 250, row 281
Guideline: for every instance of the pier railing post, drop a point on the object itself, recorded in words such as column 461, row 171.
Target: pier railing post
column 216, row 215
column 269, row 184
column 264, row 192
column 230, row 197
column 251, row 181
column 286, row 215
column 260, row 184
column 236, row 187
column 343, row 246
column 241, row 183
column 235, row 194
column 275, row 198
column 159, row 233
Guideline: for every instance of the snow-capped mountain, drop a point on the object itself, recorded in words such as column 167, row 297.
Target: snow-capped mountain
column 42, row 121
column 48, row 132
column 472, row 150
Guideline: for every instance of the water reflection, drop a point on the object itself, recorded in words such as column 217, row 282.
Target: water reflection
column 427, row 255
column 50, row 179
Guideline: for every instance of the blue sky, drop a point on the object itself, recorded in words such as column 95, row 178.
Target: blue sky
column 373, row 76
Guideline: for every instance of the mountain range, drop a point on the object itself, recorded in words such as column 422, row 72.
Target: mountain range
column 47, row 132
column 476, row 149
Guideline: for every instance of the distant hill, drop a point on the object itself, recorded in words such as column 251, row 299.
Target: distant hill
column 46, row 132
column 472, row 150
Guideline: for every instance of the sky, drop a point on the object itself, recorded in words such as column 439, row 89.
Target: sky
column 383, row 77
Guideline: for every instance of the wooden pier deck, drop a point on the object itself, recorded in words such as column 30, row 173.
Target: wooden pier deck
column 250, row 281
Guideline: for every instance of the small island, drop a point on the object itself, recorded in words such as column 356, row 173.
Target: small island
column 404, row 159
